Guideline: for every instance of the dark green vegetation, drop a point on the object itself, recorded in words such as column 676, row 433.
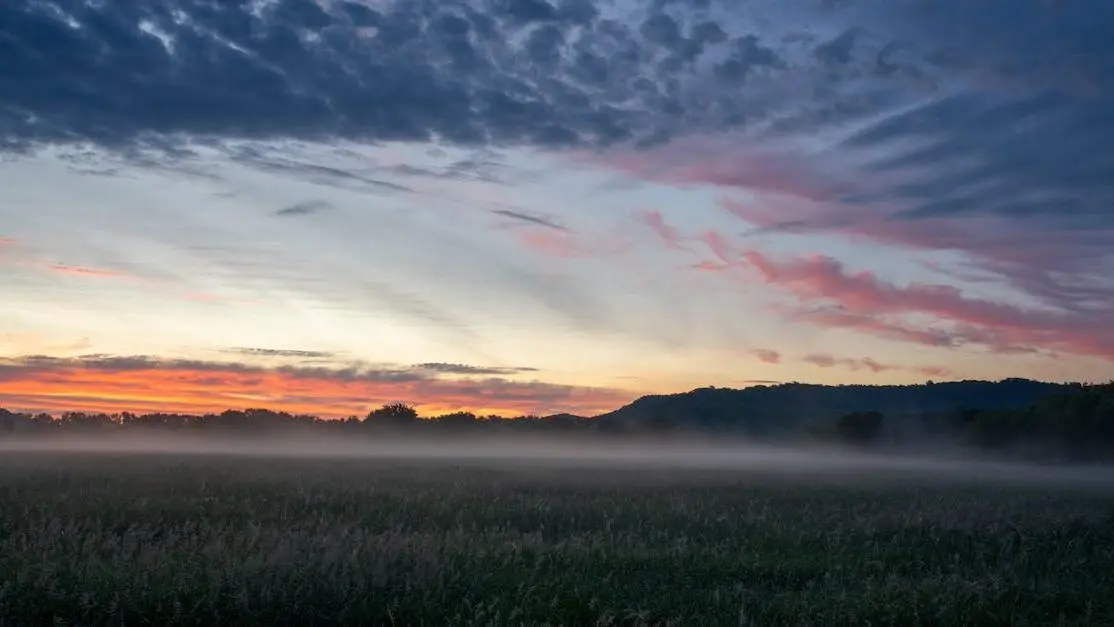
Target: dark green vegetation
column 1012, row 417
column 88, row 540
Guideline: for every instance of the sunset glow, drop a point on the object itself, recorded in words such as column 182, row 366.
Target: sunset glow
column 574, row 204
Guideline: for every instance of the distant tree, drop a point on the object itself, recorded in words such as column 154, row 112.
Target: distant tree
column 860, row 427
column 7, row 422
column 392, row 414
column 461, row 419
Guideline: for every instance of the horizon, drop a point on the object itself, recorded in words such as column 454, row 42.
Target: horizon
column 547, row 206
column 481, row 416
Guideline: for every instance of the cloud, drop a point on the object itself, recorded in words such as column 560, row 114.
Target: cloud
column 483, row 165
column 304, row 208
column 653, row 219
column 838, row 51
column 65, row 269
column 278, row 352
column 467, row 72
column 445, row 368
column 277, row 160
column 822, row 360
column 767, row 355
column 530, row 218
column 866, row 363
column 718, row 162
column 866, row 303
column 143, row 383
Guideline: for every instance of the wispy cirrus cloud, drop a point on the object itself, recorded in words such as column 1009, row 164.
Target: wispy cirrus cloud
column 304, row 208
column 84, row 271
column 466, row 369
column 529, row 218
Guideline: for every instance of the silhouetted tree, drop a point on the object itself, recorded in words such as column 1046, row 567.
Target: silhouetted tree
column 458, row 420
column 394, row 414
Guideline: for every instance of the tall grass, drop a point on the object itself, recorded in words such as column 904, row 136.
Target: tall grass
column 140, row 540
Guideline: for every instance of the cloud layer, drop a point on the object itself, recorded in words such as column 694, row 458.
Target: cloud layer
column 111, row 383
column 586, row 187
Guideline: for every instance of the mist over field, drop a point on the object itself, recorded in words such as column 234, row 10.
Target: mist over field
column 580, row 456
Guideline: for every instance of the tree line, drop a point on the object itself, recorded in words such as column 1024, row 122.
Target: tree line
column 1075, row 422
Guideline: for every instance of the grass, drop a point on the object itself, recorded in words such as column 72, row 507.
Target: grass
column 138, row 540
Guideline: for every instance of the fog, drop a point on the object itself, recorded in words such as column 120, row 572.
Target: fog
column 593, row 455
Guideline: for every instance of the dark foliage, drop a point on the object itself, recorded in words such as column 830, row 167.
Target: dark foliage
column 860, row 426
column 1014, row 416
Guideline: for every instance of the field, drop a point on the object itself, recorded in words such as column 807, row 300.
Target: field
column 218, row 540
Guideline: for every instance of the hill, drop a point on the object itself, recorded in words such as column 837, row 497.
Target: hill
column 788, row 408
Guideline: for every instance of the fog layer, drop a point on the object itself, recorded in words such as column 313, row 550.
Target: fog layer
column 803, row 462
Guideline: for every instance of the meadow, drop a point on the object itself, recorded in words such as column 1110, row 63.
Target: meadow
column 141, row 539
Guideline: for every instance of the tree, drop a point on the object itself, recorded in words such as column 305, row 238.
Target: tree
column 393, row 414
column 460, row 419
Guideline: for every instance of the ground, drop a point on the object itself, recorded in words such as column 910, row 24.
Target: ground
column 211, row 540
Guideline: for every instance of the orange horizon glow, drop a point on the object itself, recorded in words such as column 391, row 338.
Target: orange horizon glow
column 211, row 388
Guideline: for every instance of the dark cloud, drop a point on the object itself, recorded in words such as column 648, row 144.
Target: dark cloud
column 502, row 72
column 446, row 368
column 304, row 208
column 326, row 175
column 838, row 50
column 529, row 218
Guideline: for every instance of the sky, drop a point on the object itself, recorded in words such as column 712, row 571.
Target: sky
column 542, row 206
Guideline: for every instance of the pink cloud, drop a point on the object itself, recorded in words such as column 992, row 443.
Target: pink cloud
column 1020, row 253
column 864, row 302
column 61, row 268
column 719, row 246
column 668, row 234
column 821, row 360
column 571, row 245
column 719, row 163
column 790, row 191
column 554, row 244
column 710, row 266
column 830, row 296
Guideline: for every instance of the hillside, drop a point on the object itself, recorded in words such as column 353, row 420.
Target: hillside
column 778, row 409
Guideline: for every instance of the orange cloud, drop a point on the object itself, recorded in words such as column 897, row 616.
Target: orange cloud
column 145, row 384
